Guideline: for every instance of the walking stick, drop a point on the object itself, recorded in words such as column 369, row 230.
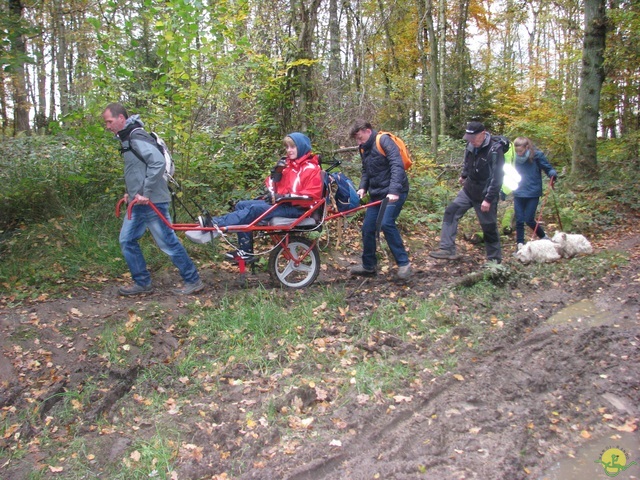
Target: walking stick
column 555, row 207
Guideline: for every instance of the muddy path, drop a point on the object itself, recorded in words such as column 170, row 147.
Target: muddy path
column 526, row 395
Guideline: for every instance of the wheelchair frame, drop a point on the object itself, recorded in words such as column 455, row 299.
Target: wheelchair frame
column 294, row 261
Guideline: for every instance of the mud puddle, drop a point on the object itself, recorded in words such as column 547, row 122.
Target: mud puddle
column 585, row 463
column 585, row 313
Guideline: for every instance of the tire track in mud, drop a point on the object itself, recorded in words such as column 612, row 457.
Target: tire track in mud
column 515, row 411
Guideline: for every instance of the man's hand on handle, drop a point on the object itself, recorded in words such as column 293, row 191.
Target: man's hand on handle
column 141, row 200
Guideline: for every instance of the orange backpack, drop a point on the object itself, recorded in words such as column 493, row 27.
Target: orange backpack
column 404, row 151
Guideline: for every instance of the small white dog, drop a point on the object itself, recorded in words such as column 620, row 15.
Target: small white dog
column 565, row 245
column 571, row 244
column 540, row 251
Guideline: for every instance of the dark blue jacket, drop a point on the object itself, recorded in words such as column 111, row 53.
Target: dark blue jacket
column 483, row 170
column 530, row 185
column 381, row 174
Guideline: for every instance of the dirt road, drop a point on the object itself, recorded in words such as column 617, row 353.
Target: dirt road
column 528, row 394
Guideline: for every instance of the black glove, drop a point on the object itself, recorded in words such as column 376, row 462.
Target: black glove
column 273, row 198
column 276, row 171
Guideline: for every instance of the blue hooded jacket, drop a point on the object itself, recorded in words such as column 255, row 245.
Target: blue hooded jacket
column 531, row 183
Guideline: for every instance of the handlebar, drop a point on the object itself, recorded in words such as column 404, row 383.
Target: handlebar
column 335, row 164
column 118, row 206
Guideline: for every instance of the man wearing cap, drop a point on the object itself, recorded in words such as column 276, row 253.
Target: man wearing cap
column 481, row 179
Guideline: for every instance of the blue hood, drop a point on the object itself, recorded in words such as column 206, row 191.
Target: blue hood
column 303, row 144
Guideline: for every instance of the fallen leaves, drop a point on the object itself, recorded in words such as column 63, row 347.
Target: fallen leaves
column 191, row 452
column 403, row 399
column 172, row 406
column 631, row 425
column 297, row 423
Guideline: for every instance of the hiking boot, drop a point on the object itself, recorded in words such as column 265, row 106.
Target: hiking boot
column 444, row 255
column 519, row 247
column 404, row 272
column 135, row 289
column 236, row 255
column 189, row 288
column 363, row 272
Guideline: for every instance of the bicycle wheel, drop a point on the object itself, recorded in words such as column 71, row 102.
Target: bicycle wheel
column 287, row 266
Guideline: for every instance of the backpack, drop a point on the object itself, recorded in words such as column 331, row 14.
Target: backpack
column 342, row 192
column 160, row 144
column 404, row 151
column 504, row 141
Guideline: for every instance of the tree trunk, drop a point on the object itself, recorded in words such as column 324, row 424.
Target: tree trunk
column 442, row 44
column 17, row 71
column 3, row 105
column 305, row 24
column 334, row 44
column 584, row 161
column 41, row 69
column 433, row 77
column 461, row 66
column 61, row 56
column 423, row 38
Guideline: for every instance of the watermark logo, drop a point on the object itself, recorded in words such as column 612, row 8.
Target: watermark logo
column 614, row 461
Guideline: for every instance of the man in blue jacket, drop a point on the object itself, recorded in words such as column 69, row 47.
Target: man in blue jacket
column 382, row 176
column 481, row 180
column 144, row 168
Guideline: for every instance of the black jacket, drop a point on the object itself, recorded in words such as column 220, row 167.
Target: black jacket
column 381, row 174
column 483, row 170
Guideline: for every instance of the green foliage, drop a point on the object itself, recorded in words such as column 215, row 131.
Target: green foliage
column 56, row 254
column 547, row 126
column 41, row 176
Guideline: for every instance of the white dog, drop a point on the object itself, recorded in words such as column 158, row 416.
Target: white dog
column 538, row 251
column 565, row 245
column 571, row 244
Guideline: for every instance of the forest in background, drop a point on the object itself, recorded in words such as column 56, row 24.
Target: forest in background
column 223, row 81
column 384, row 378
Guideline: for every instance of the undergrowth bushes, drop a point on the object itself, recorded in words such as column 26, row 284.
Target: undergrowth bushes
column 41, row 176
column 57, row 223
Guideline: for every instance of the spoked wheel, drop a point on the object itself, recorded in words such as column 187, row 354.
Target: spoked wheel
column 295, row 262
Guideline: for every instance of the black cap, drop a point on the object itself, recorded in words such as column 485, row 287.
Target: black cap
column 473, row 128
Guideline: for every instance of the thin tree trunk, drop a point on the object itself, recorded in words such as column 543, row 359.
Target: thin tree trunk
column 21, row 104
column 41, row 69
column 433, row 76
column 424, row 63
column 442, row 44
column 584, row 161
column 3, row 105
column 52, row 72
column 335, row 67
column 462, row 62
column 305, row 25
column 61, row 56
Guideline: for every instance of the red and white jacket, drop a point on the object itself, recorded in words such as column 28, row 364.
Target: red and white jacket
column 302, row 176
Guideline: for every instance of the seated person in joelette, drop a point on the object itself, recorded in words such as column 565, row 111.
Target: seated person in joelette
column 298, row 173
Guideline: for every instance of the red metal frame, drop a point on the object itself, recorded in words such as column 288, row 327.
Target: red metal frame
column 279, row 233
column 313, row 206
